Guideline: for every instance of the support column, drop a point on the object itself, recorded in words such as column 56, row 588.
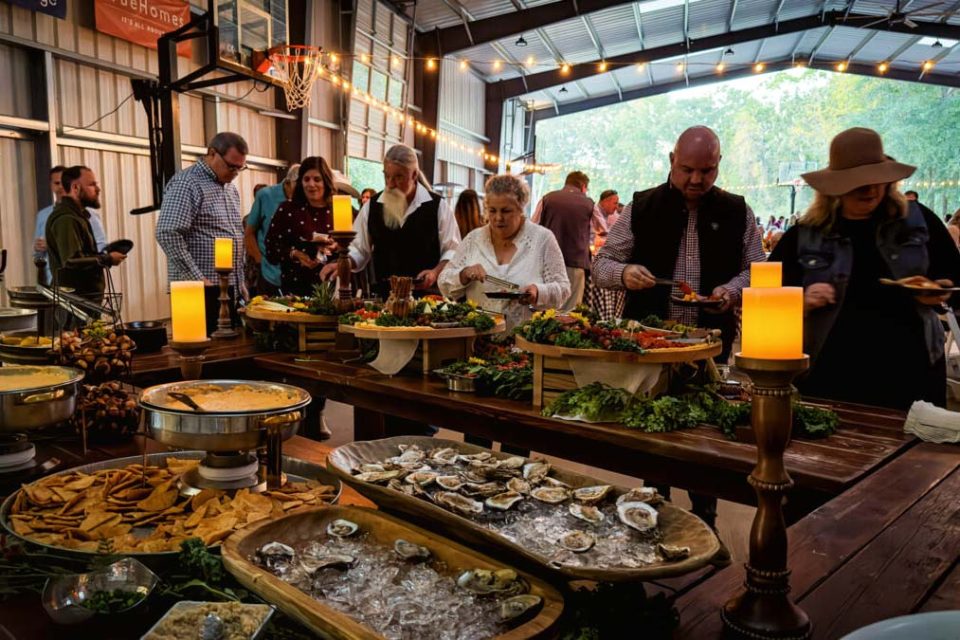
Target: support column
column 347, row 16
column 427, row 94
column 169, row 109
column 493, row 123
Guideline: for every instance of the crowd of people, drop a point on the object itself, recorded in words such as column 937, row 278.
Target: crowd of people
column 869, row 343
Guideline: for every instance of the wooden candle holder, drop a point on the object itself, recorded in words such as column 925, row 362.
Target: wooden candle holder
column 191, row 357
column 764, row 610
column 224, row 324
column 345, row 299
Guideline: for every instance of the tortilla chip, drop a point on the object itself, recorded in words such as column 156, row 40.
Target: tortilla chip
column 162, row 497
column 96, row 519
column 196, row 516
column 203, row 496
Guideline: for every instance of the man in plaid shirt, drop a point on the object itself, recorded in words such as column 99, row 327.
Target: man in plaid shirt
column 201, row 204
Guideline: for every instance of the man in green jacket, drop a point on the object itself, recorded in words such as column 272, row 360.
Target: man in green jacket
column 74, row 259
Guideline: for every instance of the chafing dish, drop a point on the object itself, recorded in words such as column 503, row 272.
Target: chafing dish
column 16, row 319
column 221, row 431
column 37, row 354
column 32, row 407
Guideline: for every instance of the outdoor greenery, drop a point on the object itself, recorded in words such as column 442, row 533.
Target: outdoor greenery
column 762, row 122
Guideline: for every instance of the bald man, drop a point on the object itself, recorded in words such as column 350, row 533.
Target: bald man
column 685, row 230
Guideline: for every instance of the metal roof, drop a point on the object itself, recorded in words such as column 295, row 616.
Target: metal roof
column 623, row 29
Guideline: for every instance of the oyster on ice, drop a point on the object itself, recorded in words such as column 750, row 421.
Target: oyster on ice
column 591, row 495
column 314, row 564
column 672, row 552
column 586, row 513
column 481, row 489
column 275, row 555
column 341, row 528
column 638, row 515
column 422, row 478
column 535, row 472
column 550, row 495
column 519, row 485
column 410, row 551
column 577, row 541
column 450, row 483
column 517, row 606
column 444, row 456
column 502, row 582
column 378, row 477
column 504, row 501
column 642, row 494
column 458, row 503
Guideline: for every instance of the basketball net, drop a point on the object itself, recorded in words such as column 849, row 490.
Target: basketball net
column 297, row 67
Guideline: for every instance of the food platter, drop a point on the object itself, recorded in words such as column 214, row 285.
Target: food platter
column 31, row 405
column 698, row 350
column 677, row 527
column 699, row 302
column 258, row 312
column 422, row 333
column 323, row 619
column 295, row 469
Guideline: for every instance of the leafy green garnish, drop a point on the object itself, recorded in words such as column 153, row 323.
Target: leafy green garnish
column 112, row 601
column 596, row 402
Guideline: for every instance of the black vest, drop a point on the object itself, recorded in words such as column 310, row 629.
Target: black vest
column 658, row 220
column 406, row 251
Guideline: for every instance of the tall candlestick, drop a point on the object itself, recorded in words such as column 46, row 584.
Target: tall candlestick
column 342, row 213
column 764, row 275
column 223, row 253
column 187, row 311
column 773, row 323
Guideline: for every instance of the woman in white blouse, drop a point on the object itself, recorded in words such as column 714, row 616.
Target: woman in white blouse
column 511, row 248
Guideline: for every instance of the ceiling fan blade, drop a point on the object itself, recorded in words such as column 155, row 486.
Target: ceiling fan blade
column 910, row 23
column 881, row 20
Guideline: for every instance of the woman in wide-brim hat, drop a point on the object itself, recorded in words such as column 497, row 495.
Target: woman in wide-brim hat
column 869, row 343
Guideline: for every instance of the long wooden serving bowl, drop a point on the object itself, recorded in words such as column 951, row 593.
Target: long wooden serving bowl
column 306, row 526
column 422, row 333
column 678, row 526
column 694, row 352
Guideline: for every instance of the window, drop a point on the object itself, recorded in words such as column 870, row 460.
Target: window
column 378, row 85
column 361, row 76
column 396, row 92
column 365, row 174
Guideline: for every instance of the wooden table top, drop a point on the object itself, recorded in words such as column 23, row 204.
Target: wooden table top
column 165, row 364
column 887, row 547
column 868, row 436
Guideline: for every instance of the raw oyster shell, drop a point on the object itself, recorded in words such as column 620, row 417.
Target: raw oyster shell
column 672, row 552
column 444, row 456
column 504, row 501
column 411, row 551
column 535, row 472
column 378, row 477
column 502, row 582
column 341, row 528
column 481, row 490
column 577, row 541
column 642, row 494
column 450, row 483
column 550, row 495
column 591, row 495
column 333, row 561
column 586, row 513
column 638, row 515
column 517, row 606
column 275, row 555
column 519, row 485
column 422, row 478
column 458, row 503
column 515, row 462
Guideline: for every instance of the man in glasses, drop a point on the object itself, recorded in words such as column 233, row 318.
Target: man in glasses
column 201, row 204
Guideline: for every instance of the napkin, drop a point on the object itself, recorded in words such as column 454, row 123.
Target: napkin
column 394, row 355
column 630, row 376
column 932, row 424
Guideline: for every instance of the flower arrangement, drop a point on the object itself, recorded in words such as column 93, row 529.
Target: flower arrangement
column 429, row 311
column 581, row 329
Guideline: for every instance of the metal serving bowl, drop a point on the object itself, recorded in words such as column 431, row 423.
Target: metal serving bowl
column 38, row 354
column 63, row 596
column 15, row 319
column 240, row 430
column 36, row 407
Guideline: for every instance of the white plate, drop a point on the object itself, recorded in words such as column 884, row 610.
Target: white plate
column 936, row 625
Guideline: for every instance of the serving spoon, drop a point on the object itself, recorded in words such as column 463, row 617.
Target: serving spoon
column 187, row 400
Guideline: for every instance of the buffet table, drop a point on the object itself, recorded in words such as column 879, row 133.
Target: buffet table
column 887, row 547
column 868, row 438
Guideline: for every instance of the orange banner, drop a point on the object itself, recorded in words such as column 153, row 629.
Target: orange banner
column 143, row 21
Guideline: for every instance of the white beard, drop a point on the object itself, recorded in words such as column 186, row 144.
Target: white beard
column 394, row 206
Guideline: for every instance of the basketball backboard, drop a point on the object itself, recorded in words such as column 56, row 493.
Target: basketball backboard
column 247, row 26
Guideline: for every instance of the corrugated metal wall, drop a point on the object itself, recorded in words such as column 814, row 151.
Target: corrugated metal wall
column 90, row 77
column 462, row 109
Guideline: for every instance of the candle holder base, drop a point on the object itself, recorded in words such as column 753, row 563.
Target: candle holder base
column 224, row 324
column 764, row 611
column 191, row 357
column 345, row 300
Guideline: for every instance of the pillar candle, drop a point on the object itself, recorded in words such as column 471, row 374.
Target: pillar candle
column 766, row 274
column 223, row 253
column 187, row 311
column 773, row 323
column 342, row 213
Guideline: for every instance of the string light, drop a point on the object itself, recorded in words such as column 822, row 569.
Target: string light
column 364, row 58
column 721, row 67
column 565, row 68
column 531, row 61
column 333, row 58
column 841, row 66
column 396, row 61
column 641, row 66
column 497, row 65
column 679, row 67
column 798, row 64
column 927, row 65
column 602, row 67
column 882, row 67
column 431, row 64
column 463, row 65
column 759, row 67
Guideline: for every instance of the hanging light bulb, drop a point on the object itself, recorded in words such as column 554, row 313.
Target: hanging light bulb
column 883, row 67
column 431, row 64
column 679, row 67
column 927, row 65
column 334, row 58
column 565, row 68
column 463, row 65
column 641, row 66
column 602, row 67
column 364, row 58
column 497, row 65
column 721, row 67
column 531, row 61
column 841, row 66
column 759, row 67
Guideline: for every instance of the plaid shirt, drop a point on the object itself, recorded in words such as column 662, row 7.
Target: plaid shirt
column 197, row 209
column 616, row 254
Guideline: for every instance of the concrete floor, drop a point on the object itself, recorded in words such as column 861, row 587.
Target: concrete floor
column 733, row 520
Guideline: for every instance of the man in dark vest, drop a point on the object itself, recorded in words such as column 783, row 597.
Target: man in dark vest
column 406, row 230
column 568, row 213
column 685, row 230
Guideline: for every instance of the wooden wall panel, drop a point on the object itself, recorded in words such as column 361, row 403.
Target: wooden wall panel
column 18, row 209
column 320, row 141
column 259, row 131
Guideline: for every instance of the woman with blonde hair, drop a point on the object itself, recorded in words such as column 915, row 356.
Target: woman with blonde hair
column 468, row 212
column 868, row 342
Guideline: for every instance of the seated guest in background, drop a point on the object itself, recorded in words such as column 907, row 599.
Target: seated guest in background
column 39, row 237
column 405, row 231
column 75, row 260
column 953, row 227
column 298, row 239
column 605, row 215
column 511, row 248
column 868, row 342
column 684, row 230
column 366, row 194
column 265, row 205
column 200, row 204
column 468, row 212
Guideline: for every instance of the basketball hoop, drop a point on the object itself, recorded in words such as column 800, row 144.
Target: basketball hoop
column 297, row 67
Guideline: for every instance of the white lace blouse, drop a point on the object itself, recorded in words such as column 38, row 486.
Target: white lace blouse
column 537, row 261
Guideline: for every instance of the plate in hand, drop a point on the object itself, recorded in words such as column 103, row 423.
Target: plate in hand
column 700, row 302
column 120, row 246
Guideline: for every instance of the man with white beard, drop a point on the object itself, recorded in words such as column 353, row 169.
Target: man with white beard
column 407, row 230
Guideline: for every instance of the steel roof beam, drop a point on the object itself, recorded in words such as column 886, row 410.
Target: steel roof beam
column 733, row 14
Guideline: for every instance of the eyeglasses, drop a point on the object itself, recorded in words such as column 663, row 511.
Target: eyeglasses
column 233, row 167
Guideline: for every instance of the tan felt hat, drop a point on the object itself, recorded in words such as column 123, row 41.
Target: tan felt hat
column 856, row 160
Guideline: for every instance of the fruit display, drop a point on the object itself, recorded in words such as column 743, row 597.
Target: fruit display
column 98, row 350
column 582, row 330
column 107, row 411
column 428, row 312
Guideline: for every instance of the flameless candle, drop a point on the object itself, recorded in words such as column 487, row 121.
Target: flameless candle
column 223, row 253
column 342, row 213
column 187, row 311
column 773, row 323
column 766, row 274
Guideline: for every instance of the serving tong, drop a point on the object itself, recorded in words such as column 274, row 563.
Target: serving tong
column 506, row 284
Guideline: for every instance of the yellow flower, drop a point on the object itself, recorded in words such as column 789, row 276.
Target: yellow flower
column 476, row 361
column 299, row 305
column 472, row 304
column 256, row 299
column 549, row 314
column 579, row 317
column 471, row 315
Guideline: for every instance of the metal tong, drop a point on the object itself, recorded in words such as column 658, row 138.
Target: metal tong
column 506, row 284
